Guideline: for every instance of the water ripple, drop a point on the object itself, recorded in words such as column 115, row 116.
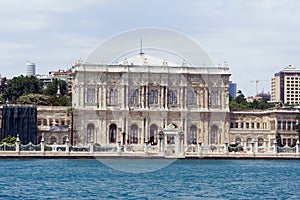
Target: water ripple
column 183, row 179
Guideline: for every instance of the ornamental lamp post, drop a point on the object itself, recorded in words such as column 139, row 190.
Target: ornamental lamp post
column 226, row 145
column 200, row 147
column 146, row 146
column 119, row 146
column 181, row 137
column 18, row 144
column 43, row 143
column 67, row 145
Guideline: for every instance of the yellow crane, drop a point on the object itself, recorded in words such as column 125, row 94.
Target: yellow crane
column 256, row 84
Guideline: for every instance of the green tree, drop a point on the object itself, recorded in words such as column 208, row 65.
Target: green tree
column 240, row 103
column 52, row 88
column 8, row 140
column 22, row 85
column 35, row 99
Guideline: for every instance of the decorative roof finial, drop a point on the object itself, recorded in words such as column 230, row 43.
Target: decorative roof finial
column 141, row 50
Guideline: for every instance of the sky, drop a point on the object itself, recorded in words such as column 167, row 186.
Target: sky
column 256, row 38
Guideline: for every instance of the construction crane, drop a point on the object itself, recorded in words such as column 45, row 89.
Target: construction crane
column 256, row 83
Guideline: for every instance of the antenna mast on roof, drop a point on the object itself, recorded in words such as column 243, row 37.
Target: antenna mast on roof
column 141, row 51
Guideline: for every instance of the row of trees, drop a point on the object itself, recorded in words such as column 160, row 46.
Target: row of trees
column 240, row 103
column 30, row 90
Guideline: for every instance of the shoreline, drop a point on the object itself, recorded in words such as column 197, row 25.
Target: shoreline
column 88, row 155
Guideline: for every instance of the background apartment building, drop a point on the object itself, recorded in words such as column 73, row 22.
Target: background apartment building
column 285, row 86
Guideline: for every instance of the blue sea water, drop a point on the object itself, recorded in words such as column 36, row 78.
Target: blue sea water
column 182, row 179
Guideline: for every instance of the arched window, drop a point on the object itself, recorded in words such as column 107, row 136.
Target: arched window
column 113, row 96
column 133, row 139
column 192, row 135
column 283, row 141
column 214, row 135
column 153, row 97
column 193, row 97
column 153, row 134
column 260, row 142
column 112, row 133
column 65, row 139
column 249, row 140
column 172, row 97
column 257, row 125
column 134, row 98
column 53, row 140
column 89, row 132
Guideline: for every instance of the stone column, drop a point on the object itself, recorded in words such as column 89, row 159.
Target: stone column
column 177, row 145
column 143, row 130
column 123, row 97
column 126, row 131
column 92, row 145
column 119, row 146
column 185, row 97
column 146, row 146
column 297, row 146
column 226, row 146
column 79, row 95
column 147, row 129
column 275, row 147
column 252, row 146
column 185, row 131
column 142, row 96
column 147, row 97
column 104, row 96
column 166, row 97
column 181, row 98
column 162, row 97
column 100, row 96
column 199, row 148
column 182, row 144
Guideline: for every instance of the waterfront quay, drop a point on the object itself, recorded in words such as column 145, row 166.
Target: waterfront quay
column 142, row 155
column 161, row 151
column 88, row 155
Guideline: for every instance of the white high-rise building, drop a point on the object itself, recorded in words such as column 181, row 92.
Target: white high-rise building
column 30, row 68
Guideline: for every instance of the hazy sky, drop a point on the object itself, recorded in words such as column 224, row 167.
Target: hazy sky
column 256, row 38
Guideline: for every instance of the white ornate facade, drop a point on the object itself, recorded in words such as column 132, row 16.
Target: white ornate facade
column 130, row 102
column 263, row 127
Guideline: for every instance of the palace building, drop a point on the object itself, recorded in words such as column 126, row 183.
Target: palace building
column 132, row 101
column 263, row 127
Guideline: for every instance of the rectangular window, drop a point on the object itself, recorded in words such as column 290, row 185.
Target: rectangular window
column 90, row 95
column 193, row 97
column 214, row 98
column 153, row 97
column 134, row 96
